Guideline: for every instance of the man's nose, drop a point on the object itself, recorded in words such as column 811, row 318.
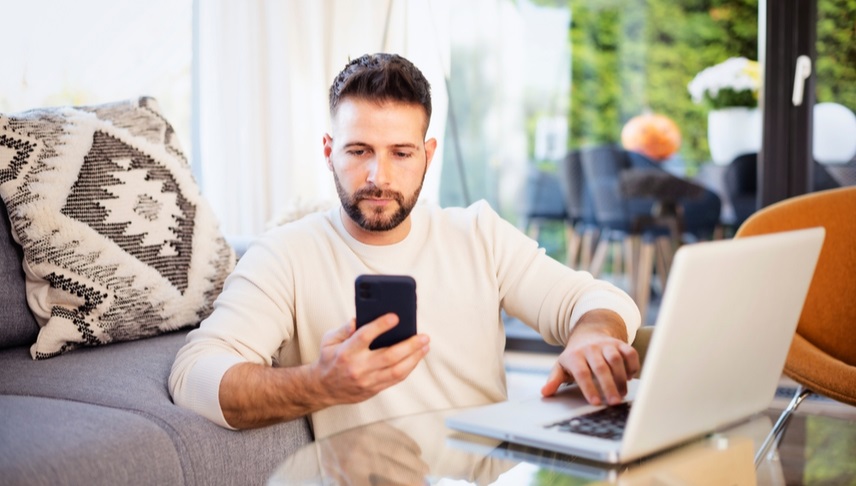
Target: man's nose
column 380, row 171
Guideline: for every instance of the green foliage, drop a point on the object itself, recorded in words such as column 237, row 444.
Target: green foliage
column 728, row 97
column 836, row 52
column 633, row 56
column 829, row 450
column 545, row 477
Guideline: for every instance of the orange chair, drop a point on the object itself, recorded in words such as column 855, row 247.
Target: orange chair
column 822, row 357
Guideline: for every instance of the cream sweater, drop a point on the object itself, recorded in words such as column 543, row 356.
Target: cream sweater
column 297, row 282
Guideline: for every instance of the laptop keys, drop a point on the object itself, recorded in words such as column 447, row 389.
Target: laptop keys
column 607, row 423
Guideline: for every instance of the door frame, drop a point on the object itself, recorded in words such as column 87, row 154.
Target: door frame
column 785, row 162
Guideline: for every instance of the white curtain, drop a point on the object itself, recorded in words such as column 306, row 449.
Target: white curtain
column 263, row 73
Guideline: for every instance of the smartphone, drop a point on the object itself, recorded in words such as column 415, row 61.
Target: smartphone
column 377, row 295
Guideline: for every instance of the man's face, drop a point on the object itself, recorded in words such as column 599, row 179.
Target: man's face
column 378, row 157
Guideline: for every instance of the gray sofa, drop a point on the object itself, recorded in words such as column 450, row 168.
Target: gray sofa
column 103, row 415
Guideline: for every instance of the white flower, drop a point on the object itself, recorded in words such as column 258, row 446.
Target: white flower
column 737, row 73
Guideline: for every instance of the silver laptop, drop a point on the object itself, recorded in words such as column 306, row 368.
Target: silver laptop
column 722, row 334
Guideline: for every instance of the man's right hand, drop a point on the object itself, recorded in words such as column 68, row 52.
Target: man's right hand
column 349, row 372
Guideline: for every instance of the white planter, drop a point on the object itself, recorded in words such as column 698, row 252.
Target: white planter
column 732, row 132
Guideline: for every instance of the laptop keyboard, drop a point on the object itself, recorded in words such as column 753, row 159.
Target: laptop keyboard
column 607, row 423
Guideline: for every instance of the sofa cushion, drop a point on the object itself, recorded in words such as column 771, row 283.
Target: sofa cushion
column 132, row 376
column 48, row 441
column 17, row 324
column 118, row 242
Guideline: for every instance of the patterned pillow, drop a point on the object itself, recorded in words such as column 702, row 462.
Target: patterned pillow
column 118, row 242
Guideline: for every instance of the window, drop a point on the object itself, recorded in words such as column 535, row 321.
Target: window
column 95, row 51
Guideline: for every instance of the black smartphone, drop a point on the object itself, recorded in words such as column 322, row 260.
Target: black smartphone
column 377, row 295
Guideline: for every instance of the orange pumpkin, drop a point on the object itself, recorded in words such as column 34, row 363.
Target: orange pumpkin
column 651, row 134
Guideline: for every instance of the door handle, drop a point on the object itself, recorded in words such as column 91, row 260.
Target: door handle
column 801, row 73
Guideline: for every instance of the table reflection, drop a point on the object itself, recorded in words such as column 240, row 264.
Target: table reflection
column 421, row 450
column 408, row 450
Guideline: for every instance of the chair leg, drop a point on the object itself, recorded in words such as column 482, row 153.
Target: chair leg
column 617, row 258
column 631, row 252
column 589, row 236
column 644, row 270
column 587, row 249
column 574, row 242
column 665, row 254
column 778, row 430
column 600, row 254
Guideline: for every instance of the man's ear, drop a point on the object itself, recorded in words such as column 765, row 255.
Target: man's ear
column 430, row 148
column 328, row 149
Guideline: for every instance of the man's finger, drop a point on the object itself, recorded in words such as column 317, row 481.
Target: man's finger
column 580, row 368
column 554, row 380
column 392, row 355
column 400, row 370
column 367, row 333
column 631, row 360
column 603, row 374
column 615, row 360
column 340, row 334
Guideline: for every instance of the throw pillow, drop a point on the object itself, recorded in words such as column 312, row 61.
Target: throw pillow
column 118, row 242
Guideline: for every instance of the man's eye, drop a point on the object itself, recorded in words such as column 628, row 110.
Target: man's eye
column 403, row 155
column 356, row 153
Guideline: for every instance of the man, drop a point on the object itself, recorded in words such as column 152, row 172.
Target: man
column 275, row 347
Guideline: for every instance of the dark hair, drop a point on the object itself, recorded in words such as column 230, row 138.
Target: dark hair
column 381, row 77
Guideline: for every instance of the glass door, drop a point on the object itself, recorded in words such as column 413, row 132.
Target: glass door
column 833, row 132
column 809, row 97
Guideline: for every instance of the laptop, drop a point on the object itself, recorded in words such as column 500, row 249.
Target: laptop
column 723, row 331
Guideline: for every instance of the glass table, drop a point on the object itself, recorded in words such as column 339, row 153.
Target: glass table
column 420, row 449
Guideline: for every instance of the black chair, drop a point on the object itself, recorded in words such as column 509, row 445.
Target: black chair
column 647, row 210
column 822, row 179
column 626, row 233
column 544, row 200
column 741, row 184
column 582, row 227
column 843, row 174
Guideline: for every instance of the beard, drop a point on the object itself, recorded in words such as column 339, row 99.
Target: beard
column 376, row 220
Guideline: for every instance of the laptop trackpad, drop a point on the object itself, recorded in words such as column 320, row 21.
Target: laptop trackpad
column 567, row 402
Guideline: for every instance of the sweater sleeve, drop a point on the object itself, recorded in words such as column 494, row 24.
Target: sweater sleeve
column 252, row 318
column 543, row 293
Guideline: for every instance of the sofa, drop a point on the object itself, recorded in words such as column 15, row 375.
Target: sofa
column 96, row 409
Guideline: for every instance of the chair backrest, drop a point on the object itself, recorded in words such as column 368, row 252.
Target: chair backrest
column 741, row 176
column 741, row 186
column 823, row 354
column 601, row 168
column 822, row 179
column 578, row 201
column 544, row 198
